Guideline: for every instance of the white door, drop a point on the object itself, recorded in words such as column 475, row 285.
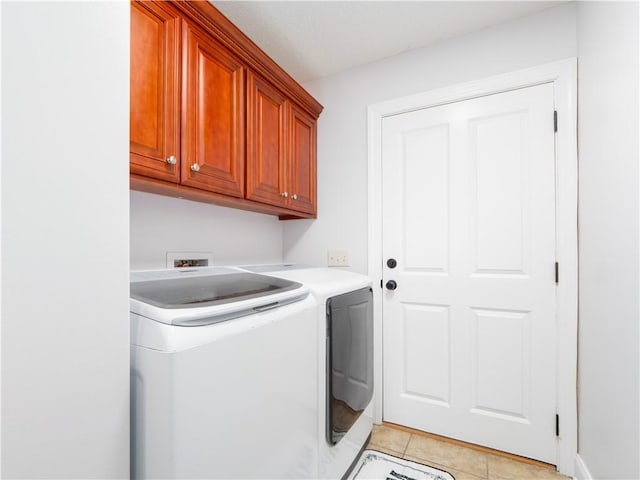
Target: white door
column 469, row 216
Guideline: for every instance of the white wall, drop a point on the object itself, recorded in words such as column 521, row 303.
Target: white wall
column 342, row 135
column 1, row 130
column 160, row 224
column 65, row 325
column 609, row 348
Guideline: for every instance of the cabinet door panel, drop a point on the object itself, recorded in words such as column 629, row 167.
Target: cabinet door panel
column 302, row 169
column 265, row 142
column 154, row 86
column 213, row 122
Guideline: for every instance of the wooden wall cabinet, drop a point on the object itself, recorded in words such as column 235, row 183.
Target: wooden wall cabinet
column 155, row 91
column 281, row 149
column 213, row 118
column 266, row 145
column 302, row 164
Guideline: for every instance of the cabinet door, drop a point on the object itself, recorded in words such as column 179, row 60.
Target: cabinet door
column 266, row 115
column 302, row 160
column 154, row 86
column 213, row 128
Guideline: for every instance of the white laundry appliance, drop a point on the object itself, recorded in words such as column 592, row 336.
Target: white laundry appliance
column 345, row 362
column 224, row 376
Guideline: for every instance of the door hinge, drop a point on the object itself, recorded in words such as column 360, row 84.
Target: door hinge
column 380, row 283
column 555, row 120
column 557, row 425
column 557, row 272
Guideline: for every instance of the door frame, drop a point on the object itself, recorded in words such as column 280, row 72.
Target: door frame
column 563, row 75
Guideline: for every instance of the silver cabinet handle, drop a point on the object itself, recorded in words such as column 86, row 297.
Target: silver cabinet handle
column 284, row 194
column 195, row 167
column 294, row 197
column 172, row 160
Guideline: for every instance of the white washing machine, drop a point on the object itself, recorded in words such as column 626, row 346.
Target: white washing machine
column 224, row 376
column 345, row 366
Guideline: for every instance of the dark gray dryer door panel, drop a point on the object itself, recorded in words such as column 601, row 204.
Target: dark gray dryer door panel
column 349, row 360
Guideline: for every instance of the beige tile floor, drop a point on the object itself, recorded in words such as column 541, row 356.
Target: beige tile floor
column 462, row 462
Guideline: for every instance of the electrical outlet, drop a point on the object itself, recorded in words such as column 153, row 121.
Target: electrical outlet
column 338, row 258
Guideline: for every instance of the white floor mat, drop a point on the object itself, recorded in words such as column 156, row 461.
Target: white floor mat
column 377, row 465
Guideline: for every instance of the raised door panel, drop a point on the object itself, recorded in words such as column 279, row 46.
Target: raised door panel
column 154, row 90
column 213, row 129
column 302, row 160
column 266, row 154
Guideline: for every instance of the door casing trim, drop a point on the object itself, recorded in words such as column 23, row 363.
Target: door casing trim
column 563, row 75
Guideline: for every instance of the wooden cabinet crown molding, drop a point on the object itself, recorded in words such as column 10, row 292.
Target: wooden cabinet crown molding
column 255, row 58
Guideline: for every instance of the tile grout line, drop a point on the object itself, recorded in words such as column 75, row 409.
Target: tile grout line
column 404, row 452
column 486, row 475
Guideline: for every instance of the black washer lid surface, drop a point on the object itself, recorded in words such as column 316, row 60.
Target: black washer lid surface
column 203, row 291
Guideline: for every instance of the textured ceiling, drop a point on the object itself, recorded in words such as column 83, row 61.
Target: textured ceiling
column 313, row 39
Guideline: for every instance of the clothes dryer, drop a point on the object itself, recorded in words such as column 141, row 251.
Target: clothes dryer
column 345, row 361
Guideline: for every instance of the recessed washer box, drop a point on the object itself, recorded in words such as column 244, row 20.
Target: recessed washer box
column 189, row 259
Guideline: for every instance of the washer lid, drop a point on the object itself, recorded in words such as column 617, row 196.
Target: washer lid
column 210, row 290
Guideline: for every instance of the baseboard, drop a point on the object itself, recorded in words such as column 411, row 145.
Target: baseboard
column 582, row 472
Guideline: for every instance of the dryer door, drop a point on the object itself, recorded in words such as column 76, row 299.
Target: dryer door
column 349, row 360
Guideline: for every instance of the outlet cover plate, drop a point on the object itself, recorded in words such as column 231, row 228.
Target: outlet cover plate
column 338, row 258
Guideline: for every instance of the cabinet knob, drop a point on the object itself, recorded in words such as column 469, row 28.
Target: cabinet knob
column 195, row 167
column 172, row 160
column 294, row 197
column 284, row 194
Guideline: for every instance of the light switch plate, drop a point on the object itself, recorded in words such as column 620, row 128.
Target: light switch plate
column 338, row 258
